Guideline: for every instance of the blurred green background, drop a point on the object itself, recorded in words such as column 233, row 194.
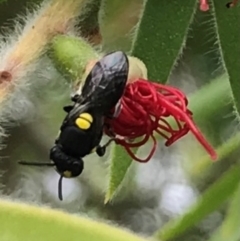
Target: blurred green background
column 160, row 190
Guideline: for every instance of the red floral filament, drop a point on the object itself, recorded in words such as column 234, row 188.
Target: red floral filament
column 144, row 108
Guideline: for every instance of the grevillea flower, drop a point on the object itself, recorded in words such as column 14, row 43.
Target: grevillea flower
column 145, row 109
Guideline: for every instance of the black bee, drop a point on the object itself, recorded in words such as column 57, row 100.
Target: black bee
column 82, row 128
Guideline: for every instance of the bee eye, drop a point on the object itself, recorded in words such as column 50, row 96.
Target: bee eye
column 77, row 168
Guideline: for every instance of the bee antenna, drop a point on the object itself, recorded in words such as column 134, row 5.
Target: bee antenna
column 47, row 164
column 60, row 196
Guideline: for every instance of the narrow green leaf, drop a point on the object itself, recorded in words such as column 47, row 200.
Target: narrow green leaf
column 88, row 22
column 211, row 200
column 230, row 229
column 113, row 13
column 229, row 39
column 71, row 55
column 201, row 166
column 159, row 39
column 161, row 35
column 217, row 93
column 120, row 161
column 22, row 222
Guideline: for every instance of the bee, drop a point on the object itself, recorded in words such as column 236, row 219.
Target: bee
column 82, row 128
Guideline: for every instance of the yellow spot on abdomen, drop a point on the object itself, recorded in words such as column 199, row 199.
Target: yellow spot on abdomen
column 84, row 121
column 86, row 116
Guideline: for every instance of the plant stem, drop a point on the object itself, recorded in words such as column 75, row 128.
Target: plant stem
column 52, row 18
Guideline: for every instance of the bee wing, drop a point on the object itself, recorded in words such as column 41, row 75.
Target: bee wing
column 104, row 85
column 106, row 82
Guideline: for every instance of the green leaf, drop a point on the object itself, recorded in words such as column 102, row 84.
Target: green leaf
column 23, row 222
column 218, row 92
column 230, row 228
column 88, row 22
column 159, row 39
column 71, row 55
column 200, row 167
column 161, row 35
column 120, row 161
column 229, row 40
column 113, row 13
column 212, row 199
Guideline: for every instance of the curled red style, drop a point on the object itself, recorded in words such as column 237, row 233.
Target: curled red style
column 145, row 110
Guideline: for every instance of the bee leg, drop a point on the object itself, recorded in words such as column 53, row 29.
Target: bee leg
column 109, row 130
column 115, row 113
column 107, row 126
column 68, row 108
column 109, row 116
column 74, row 98
column 101, row 150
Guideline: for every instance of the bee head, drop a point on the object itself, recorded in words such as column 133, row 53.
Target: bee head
column 65, row 165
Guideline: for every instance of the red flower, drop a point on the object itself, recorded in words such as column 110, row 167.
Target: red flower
column 144, row 108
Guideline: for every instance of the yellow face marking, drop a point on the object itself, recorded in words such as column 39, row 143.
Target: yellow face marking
column 87, row 117
column 84, row 121
column 67, row 174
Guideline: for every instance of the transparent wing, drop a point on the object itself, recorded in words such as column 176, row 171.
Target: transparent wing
column 104, row 85
column 106, row 82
